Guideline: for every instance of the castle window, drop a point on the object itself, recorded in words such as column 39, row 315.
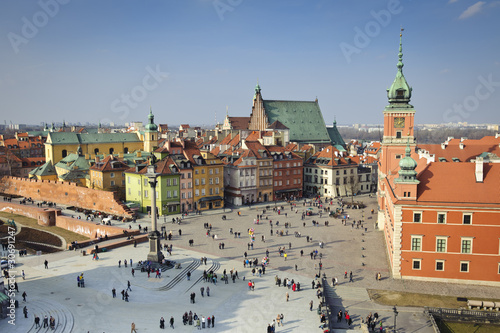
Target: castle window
column 417, row 263
column 64, row 153
column 464, row 266
column 439, row 265
column 398, row 135
column 467, row 218
column 111, row 150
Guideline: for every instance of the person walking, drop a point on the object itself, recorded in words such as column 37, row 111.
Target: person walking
column 128, row 286
column 46, row 263
column 172, row 322
column 37, row 322
column 350, row 277
column 119, row 263
column 45, row 321
column 25, row 311
column 132, row 328
column 287, row 296
column 113, row 292
column 162, row 323
column 24, row 296
column 311, row 305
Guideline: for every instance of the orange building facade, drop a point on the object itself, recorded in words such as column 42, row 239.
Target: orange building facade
column 440, row 215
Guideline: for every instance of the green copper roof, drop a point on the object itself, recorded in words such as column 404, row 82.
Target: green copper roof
column 335, row 136
column 44, row 170
column 407, row 165
column 399, row 91
column 151, row 126
column 303, row 118
column 73, row 162
column 88, row 138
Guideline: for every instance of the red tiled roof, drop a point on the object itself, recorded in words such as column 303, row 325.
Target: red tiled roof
column 471, row 148
column 239, row 123
column 456, row 183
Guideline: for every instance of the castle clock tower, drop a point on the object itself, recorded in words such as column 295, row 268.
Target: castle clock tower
column 398, row 121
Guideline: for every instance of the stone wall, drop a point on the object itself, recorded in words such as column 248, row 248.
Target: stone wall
column 66, row 194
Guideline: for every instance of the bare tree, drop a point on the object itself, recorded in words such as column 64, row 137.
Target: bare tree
column 352, row 186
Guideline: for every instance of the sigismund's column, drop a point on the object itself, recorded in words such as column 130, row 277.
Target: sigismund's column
column 155, row 254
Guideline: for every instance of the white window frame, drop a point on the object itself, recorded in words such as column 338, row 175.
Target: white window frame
column 463, row 218
column 435, row 266
column 416, row 237
column 462, row 239
column 468, row 266
column 417, row 212
column 445, row 217
column 413, row 261
column 445, row 238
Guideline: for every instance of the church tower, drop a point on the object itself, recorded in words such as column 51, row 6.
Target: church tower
column 151, row 134
column 398, row 120
column 258, row 118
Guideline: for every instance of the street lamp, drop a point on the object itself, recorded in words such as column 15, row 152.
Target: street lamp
column 395, row 315
column 155, row 254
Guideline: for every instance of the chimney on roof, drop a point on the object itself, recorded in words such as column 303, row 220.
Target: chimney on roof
column 479, row 170
column 463, row 139
column 461, row 145
column 96, row 158
column 497, row 135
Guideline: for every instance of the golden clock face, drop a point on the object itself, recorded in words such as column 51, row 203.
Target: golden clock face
column 399, row 122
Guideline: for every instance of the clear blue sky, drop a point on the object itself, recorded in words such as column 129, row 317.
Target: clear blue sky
column 91, row 61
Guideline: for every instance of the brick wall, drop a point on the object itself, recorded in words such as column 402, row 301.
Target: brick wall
column 64, row 193
column 87, row 228
column 44, row 216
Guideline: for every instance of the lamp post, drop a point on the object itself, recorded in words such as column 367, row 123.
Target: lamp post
column 155, row 254
column 395, row 315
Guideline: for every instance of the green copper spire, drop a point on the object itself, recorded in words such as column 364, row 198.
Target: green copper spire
column 407, row 166
column 257, row 89
column 151, row 126
column 400, row 91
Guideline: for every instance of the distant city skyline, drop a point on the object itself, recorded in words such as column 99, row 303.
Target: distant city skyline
column 111, row 61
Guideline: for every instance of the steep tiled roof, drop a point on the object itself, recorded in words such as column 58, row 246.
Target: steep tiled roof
column 110, row 163
column 303, row 118
column 456, row 183
column 239, row 123
column 277, row 125
column 327, row 157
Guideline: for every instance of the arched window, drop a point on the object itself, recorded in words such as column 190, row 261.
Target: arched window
column 111, row 150
column 64, row 153
column 96, row 151
column 125, row 150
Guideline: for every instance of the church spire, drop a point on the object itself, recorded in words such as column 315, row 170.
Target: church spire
column 151, row 126
column 400, row 90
